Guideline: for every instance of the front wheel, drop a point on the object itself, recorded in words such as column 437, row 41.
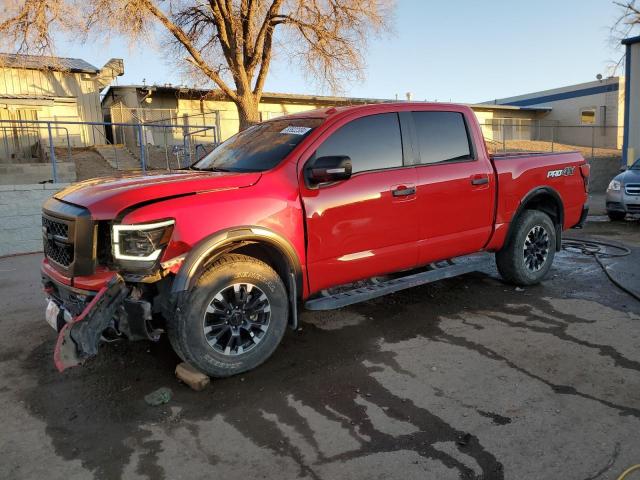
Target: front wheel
column 233, row 319
column 528, row 253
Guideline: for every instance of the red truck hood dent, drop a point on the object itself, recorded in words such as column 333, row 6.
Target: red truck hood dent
column 106, row 197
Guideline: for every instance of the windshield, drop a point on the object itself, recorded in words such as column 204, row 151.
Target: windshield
column 258, row 148
column 636, row 165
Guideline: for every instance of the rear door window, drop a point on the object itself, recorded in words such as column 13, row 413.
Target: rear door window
column 442, row 137
column 372, row 142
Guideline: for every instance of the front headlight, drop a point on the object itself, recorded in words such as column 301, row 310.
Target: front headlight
column 143, row 242
column 614, row 185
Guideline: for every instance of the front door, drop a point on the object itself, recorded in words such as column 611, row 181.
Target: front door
column 366, row 225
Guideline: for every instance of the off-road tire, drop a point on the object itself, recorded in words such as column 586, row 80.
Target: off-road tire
column 185, row 329
column 511, row 261
column 616, row 216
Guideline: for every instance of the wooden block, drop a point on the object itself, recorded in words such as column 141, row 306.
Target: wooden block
column 191, row 376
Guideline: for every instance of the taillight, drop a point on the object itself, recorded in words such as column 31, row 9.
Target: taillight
column 585, row 171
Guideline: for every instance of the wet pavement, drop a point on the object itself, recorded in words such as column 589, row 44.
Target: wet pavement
column 466, row 378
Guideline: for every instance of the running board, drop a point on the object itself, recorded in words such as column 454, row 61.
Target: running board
column 362, row 294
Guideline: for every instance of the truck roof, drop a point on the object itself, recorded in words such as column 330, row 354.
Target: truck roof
column 386, row 106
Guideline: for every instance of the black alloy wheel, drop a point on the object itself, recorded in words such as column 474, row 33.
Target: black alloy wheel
column 536, row 248
column 237, row 319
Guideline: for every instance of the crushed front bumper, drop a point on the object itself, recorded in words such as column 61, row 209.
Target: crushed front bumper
column 79, row 339
column 90, row 314
column 85, row 314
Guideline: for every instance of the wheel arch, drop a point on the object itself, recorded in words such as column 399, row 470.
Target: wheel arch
column 270, row 243
column 258, row 242
column 544, row 199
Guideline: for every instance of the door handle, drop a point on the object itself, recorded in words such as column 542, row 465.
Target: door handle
column 479, row 180
column 403, row 191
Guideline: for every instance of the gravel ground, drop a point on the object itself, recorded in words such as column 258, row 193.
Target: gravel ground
column 466, row 378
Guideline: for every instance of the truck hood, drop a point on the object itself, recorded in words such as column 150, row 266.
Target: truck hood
column 106, row 197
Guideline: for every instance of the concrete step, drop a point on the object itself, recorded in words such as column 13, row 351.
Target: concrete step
column 118, row 157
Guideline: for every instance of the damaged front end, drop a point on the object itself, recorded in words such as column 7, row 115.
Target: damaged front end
column 84, row 319
column 78, row 339
column 103, row 279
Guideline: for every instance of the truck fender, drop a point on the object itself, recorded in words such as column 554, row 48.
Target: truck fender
column 229, row 239
column 531, row 197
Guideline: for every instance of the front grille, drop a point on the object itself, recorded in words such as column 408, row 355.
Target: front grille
column 69, row 235
column 632, row 189
column 57, row 245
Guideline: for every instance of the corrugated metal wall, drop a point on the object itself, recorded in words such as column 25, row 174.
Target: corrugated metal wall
column 27, row 94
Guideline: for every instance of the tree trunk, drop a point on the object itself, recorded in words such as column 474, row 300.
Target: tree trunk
column 248, row 111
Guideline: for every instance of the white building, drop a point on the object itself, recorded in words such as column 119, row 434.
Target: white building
column 38, row 88
column 590, row 113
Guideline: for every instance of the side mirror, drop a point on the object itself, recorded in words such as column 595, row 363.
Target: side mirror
column 623, row 169
column 328, row 169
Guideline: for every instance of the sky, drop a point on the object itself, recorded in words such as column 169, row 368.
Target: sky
column 462, row 51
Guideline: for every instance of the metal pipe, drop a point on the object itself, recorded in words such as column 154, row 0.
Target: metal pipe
column 188, row 134
column 118, row 124
column 140, row 141
column 52, row 154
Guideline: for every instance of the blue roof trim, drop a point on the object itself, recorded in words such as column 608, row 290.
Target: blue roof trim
column 627, row 104
column 631, row 40
column 585, row 92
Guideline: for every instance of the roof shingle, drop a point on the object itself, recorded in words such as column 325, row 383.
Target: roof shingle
column 40, row 62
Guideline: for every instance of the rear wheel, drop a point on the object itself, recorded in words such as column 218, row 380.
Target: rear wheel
column 233, row 319
column 528, row 254
column 616, row 216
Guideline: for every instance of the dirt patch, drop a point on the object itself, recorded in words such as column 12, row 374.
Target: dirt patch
column 90, row 164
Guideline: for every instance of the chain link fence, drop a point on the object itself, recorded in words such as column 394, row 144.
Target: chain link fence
column 522, row 135
column 600, row 145
column 33, row 151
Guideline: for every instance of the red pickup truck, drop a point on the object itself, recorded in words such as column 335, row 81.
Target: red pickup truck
column 297, row 210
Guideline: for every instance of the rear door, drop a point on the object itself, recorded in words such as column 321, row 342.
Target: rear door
column 366, row 225
column 456, row 187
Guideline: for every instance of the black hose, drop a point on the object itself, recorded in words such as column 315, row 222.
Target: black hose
column 600, row 250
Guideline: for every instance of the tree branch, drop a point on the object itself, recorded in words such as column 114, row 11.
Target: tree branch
column 264, row 63
column 196, row 58
column 267, row 24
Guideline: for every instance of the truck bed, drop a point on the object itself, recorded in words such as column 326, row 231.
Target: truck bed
column 557, row 171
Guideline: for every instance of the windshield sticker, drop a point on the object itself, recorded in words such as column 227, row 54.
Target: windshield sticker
column 295, row 130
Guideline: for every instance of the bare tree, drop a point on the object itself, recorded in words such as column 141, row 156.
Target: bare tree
column 628, row 20
column 231, row 42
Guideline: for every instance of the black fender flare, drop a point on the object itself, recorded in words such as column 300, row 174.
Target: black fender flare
column 538, row 191
column 223, row 241
column 217, row 242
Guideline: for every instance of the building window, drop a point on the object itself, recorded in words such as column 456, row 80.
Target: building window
column 588, row 116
